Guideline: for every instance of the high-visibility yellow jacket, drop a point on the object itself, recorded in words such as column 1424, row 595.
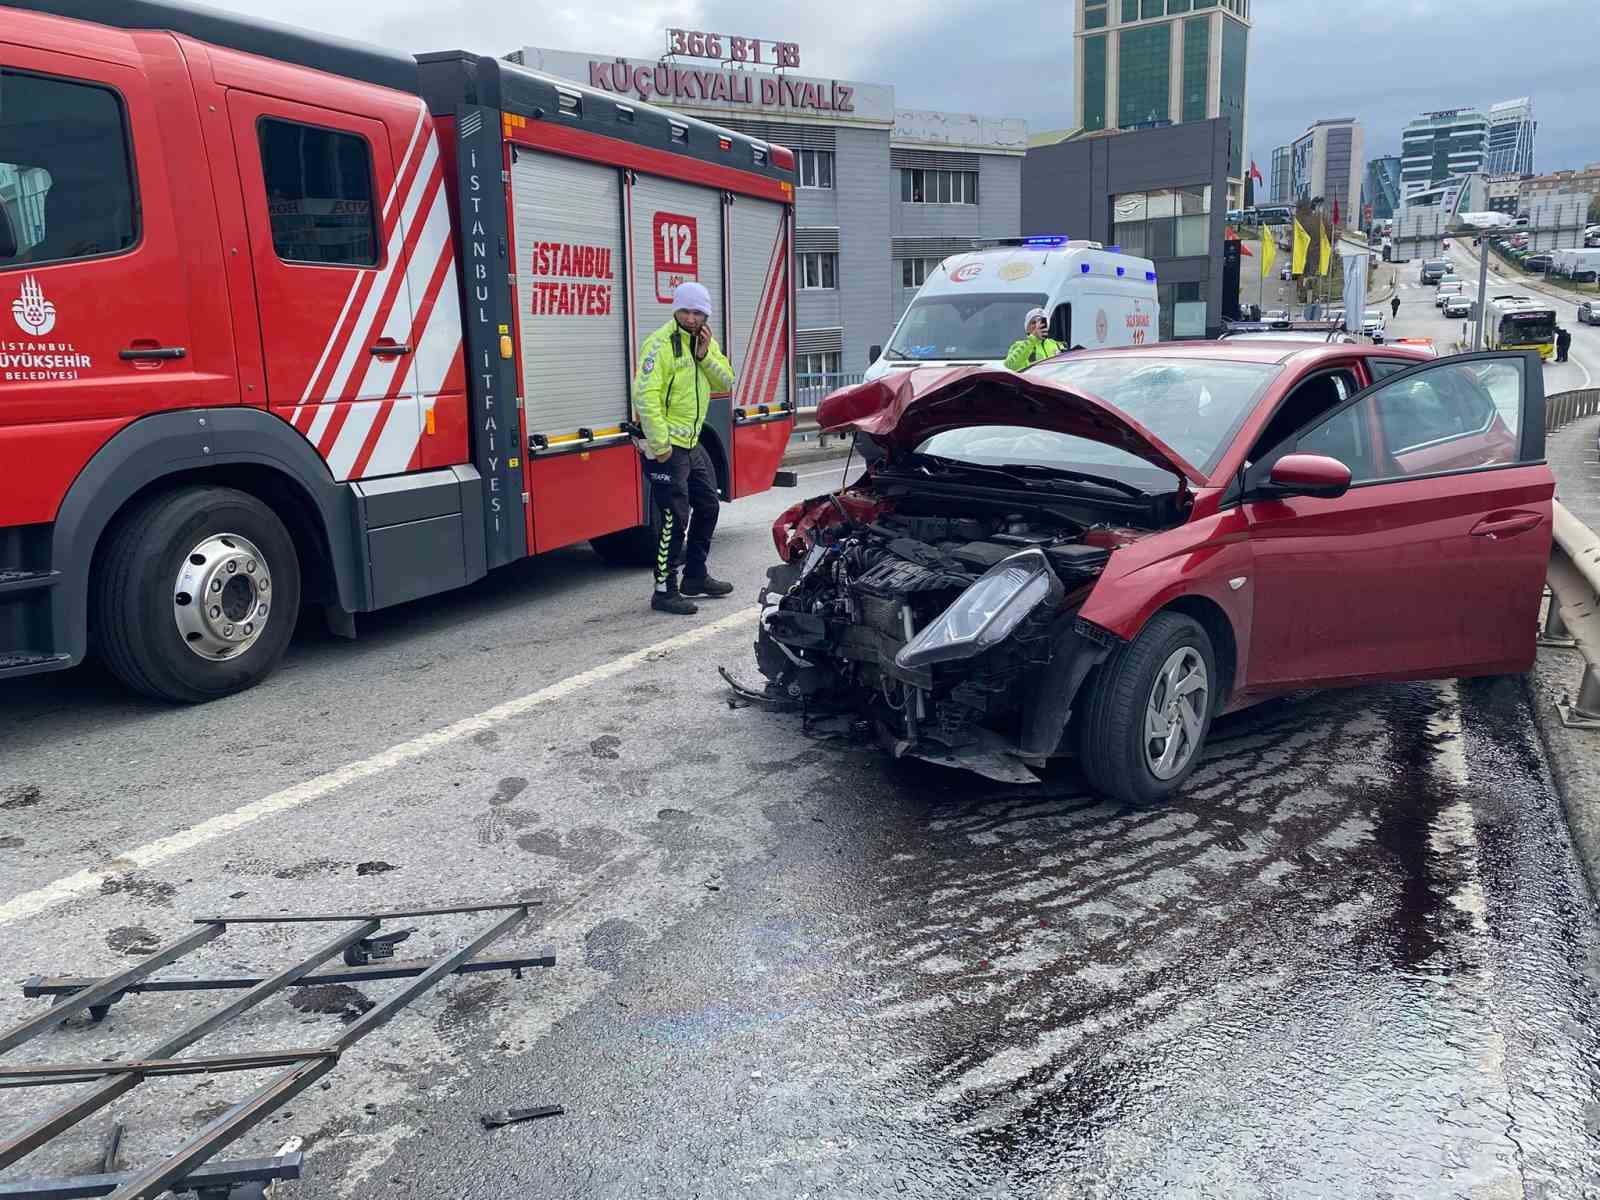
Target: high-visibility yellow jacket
column 1031, row 350
column 671, row 392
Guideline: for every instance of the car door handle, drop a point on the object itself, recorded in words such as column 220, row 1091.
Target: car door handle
column 157, row 353
column 390, row 347
column 1497, row 527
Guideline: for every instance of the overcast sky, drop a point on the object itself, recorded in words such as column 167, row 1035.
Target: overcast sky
column 1383, row 61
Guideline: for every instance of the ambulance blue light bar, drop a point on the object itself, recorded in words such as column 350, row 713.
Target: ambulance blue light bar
column 1054, row 239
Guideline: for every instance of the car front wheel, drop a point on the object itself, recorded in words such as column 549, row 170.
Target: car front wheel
column 1149, row 712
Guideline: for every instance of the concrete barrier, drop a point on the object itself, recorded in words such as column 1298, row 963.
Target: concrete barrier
column 1573, row 618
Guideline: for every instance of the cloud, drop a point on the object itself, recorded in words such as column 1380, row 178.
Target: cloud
column 1382, row 61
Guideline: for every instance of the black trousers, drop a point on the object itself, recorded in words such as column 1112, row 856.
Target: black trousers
column 684, row 493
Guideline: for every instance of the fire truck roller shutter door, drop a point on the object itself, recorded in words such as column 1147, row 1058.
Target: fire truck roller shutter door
column 759, row 334
column 572, row 310
column 677, row 236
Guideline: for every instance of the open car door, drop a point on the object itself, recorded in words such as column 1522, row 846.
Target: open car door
column 1433, row 562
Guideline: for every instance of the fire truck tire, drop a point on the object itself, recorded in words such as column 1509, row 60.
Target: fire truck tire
column 196, row 594
column 634, row 547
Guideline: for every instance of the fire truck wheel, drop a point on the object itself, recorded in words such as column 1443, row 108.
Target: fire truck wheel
column 196, row 594
column 634, row 547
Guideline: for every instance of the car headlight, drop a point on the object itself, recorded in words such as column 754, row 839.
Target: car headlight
column 986, row 613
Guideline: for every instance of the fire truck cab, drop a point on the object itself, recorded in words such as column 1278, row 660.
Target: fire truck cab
column 286, row 320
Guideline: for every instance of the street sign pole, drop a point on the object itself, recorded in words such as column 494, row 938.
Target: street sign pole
column 1483, row 292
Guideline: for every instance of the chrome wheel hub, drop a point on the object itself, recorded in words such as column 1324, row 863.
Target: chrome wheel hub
column 223, row 596
column 1175, row 713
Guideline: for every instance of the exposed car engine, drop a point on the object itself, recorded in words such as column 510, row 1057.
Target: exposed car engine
column 948, row 633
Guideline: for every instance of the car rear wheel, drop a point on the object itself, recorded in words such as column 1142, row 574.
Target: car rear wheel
column 196, row 594
column 1149, row 712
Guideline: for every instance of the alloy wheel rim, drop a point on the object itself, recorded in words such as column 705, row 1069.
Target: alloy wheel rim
column 222, row 598
column 1175, row 713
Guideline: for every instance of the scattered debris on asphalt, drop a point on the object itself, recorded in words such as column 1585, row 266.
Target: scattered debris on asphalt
column 509, row 1116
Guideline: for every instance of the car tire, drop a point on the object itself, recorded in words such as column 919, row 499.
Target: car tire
column 160, row 560
column 1119, row 758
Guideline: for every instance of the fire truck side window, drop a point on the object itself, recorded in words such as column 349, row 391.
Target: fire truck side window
column 319, row 194
column 66, row 184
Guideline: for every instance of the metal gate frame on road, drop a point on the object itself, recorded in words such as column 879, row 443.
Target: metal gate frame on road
column 359, row 945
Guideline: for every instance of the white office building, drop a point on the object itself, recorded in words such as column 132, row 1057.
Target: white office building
column 1511, row 130
column 1440, row 146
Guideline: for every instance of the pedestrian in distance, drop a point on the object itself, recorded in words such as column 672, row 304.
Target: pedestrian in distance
column 1036, row 346
column 680, row 366
column 1563, row 342
column 1394, row 306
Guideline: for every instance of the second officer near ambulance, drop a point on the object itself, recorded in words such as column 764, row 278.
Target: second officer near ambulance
column 680, row 366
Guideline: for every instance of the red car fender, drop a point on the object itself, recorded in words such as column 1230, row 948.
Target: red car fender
column 1204, row 559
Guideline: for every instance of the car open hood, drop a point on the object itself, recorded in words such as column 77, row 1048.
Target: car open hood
column 904, row 409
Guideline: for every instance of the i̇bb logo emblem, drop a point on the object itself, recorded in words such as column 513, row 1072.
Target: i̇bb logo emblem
column 1102, row 327
column 963, row 274
column 34, row 314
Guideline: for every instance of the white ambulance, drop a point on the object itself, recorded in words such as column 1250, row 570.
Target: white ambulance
column 973, row 306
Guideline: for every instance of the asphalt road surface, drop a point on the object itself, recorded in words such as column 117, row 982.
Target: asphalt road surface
column 1356, row 959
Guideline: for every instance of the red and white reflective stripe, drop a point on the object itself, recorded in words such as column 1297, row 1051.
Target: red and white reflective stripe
column 768, row 339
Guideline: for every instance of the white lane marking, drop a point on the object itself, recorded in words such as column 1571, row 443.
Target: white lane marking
column 295, row 796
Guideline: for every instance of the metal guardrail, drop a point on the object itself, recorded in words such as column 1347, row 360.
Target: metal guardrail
column 1566, row 407
column 1573, row 618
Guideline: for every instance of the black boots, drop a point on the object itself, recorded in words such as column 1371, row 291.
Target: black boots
column 669, row 599
column 706, row 585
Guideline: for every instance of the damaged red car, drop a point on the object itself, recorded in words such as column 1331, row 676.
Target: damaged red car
column 1104, row 553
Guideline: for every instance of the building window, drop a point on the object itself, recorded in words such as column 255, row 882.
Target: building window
column 1130, row 10
column 1152, row 8
column 319, row 194
column 65, row 181
column 813, row 368
column 1183, row 310
column 1092, row 111
column 1196, row 67
column 1235, row 46
column 1094, row 15
column 816, row 168
column 819, row 272
column 1163, row 223
column 915, row 271
column 1143, row 74
column 923, row 185
column 1177, row 6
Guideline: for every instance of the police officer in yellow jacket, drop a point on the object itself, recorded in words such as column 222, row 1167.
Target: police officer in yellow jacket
column 680, row 366
column 1036, row 346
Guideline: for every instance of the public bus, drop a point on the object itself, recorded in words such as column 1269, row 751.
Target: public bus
column 1519, row 323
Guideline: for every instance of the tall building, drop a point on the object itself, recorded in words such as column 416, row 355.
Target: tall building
column 1439, row 146
column 1147, row 63
column 883, row 195
column 1381, row 188
column 1283, row 175
column 1325, row 164
column 1511, row 130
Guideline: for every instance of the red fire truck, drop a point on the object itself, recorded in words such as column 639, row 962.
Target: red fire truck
column 287, row 320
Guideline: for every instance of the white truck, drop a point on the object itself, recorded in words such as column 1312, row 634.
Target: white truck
column 972, row 306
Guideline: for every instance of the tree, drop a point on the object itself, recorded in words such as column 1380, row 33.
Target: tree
column 1594, row 211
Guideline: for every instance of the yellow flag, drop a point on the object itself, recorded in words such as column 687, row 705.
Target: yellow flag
column 1269, row 251
column 1327, row 253
column 1302, row 248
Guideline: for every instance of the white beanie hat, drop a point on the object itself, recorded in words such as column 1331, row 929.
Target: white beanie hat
column 1035, row 314
column 692, row 296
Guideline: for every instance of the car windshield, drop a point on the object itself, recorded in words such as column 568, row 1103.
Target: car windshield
column 979, row 326
column 1374, row 315
column 1196, row 406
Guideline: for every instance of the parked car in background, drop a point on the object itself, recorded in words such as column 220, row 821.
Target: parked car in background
column 1434, row 269
column 1538, row 264
column 1458, row 305
column 1589, row 312
column 1102, row 554
column 1453, row 287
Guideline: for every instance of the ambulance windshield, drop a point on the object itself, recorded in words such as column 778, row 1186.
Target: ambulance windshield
column 974, row 326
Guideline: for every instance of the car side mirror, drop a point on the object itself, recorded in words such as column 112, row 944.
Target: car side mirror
column 1310, row 475
column 874, row 354
column 8, row 236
